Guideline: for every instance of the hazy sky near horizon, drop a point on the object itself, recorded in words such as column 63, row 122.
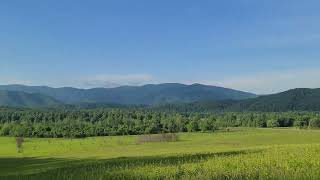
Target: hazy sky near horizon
column 261, row 46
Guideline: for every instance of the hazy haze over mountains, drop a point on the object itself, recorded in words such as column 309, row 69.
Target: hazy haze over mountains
column 147, row 95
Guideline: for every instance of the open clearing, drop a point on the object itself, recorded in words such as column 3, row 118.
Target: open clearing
column 241, row 153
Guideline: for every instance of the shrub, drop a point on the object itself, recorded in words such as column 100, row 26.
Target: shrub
column 193, row 126
column 273, row 123
column 19, row 143
column 207, row 125
column 301, row 123
column 285, row 122
column 5, row 129
column 314, row 123
column 171, row 137
column 19, row 130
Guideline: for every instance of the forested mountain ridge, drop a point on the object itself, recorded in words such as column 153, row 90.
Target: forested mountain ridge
column 300, row 99
column 162, row 97
column 22, row 99
column 136, row 95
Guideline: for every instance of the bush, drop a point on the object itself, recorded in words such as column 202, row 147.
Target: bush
column 207, row 125
column 19, row 143
column 273, row 123
column 19, row 130
column 171, row 137
column 193, row 126
column 285, row 122
column 314, row 123
column 301, row 123
column 5, row 129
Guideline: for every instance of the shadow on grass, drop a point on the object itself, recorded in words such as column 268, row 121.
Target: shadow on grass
column 29, row 165
column 35, row 168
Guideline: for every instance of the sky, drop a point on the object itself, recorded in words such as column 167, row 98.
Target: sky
column 259, row 46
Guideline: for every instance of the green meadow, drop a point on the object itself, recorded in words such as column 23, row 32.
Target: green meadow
column 240, row 153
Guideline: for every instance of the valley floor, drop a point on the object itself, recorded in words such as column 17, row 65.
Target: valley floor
column 241, row 153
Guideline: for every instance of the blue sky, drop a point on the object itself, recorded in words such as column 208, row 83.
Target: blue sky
column 261, row 46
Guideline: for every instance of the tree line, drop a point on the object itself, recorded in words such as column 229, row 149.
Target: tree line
column 110, row 122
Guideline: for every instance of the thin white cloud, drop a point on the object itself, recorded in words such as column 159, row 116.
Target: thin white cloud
column 103, row 80
column 260, row 83
column 109, row 81
column 16, row 81
column 273, row 82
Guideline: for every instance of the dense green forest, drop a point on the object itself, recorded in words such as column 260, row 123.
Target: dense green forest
column 99, row 119
column 134, row 121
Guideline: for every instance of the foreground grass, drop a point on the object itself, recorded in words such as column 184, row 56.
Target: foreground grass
column 239, row 154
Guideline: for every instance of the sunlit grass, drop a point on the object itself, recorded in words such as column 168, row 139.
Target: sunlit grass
column 239, row 154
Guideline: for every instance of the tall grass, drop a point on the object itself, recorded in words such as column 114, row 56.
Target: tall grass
column 279, row 162
column 238, row 154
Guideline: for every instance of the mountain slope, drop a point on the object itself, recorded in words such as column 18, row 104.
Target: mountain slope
column 165, row 96
column 293, row 100
column 147, row 95
column 22, row 99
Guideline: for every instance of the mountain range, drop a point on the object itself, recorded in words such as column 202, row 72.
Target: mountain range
column 300, row 99
column 168, row 96
column 133, row 95
column 22, row 99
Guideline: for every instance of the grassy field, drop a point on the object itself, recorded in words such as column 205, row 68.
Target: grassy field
column 238, row 154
